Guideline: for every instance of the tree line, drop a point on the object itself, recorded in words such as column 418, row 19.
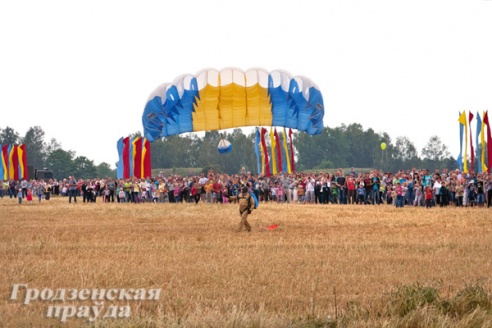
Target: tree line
column 343, row 146
column 41, row 154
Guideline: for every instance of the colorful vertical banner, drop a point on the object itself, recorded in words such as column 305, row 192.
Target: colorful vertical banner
column 147, row 165
column 4, row 169
column 22, row 161
column 257, row 149
column 262, row 154
column 477, row 134
column 119, row 167
column 462, row 120
column 126, row 158
column 25, row 174
column 274, row 158
column 459, row 160
column 142, row 159
column 131, row 155
column 482, row 142
column 472, row 152
column 13, row 162
column 265, row 152
column 279, row 151
column 137, row 157
column 11, row 169
column 489, row 141
column 292, row 164
column 134, row 158
column 286, row 150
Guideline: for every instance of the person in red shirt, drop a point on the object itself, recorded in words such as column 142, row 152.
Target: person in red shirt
column 428, row 197
column 216, row 191
column 194, row 194
column 29, row 196
column 350, row 190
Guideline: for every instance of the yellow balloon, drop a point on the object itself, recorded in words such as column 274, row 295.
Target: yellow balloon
column 383, row 145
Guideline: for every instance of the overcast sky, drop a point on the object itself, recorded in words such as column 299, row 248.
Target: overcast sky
column 82, row 70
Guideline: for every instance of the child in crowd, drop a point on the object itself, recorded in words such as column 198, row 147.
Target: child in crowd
column 382, row 192
column 300, row 193
column 225, row 195
column 64, row 191
column 19, row 195
column 39, row 193
column 399, row 195
column 472, row 193
column 29, row 196
column 106, row 193
column 122, row 195
column 208, row 192
column 443, row 192
column 389, row 196
column 428, row 197
column 274, row 193
column 194, row 194
column 280, row 194
column 361, row 193
column 418, row 195
column 460, row 190
column 177, row 193
column 334, row 193
column 404, row 190
column 393, row 196
column 155, row 196
column 466, row 189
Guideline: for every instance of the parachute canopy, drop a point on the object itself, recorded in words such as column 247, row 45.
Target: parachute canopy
column 213, row 100
column 224, row 146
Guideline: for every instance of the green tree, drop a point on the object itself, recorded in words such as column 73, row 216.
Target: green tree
column 61, row 163
column 242, row 153
column 435, row 153
column 83, row 168
column 52, row 146
column 358, row 154
column 175, row 151
column 103, row 170
column 9, row 136
column 435, row 150
column 329, row 147
column 35, row 147
column 135, row 134
column 207, row 153
column 160, row 154
column 404, row 154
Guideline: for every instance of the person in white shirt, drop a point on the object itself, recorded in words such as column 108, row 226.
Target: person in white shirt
column 202, row 181
column 437, row 188
column 309, row 191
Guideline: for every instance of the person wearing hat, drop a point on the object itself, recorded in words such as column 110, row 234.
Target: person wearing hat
column 245, row 206
column 472, row 193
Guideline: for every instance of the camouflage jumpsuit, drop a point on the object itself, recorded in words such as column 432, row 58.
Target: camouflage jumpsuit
column 244, row 209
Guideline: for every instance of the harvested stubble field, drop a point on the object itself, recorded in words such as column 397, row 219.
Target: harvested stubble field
column 345, row 266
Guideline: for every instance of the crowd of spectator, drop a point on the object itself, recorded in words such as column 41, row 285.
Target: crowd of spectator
column 403, row 188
